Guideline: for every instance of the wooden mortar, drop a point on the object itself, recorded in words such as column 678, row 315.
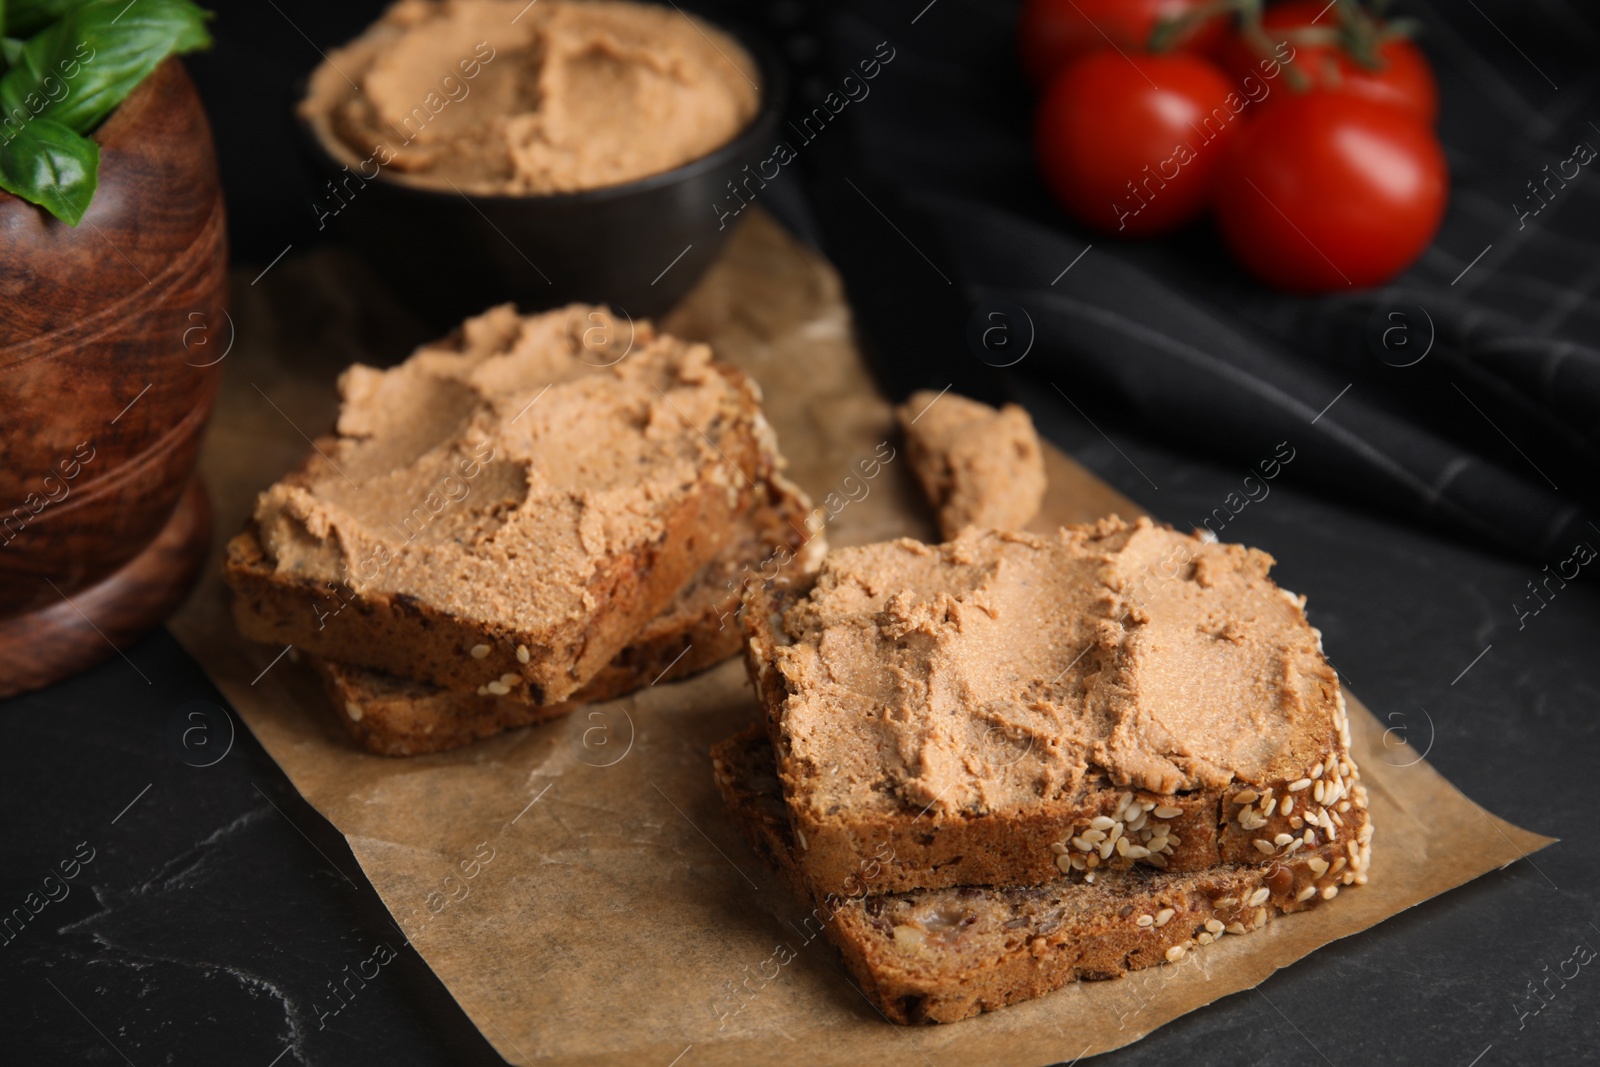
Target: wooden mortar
column 112, row 336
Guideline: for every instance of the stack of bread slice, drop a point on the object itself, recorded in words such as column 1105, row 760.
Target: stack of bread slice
column 536, row 512
column 1004, row 763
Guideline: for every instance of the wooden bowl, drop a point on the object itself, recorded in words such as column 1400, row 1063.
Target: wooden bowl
column 111, row 335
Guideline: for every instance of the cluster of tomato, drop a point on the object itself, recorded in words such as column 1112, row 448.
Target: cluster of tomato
column 1307, row 129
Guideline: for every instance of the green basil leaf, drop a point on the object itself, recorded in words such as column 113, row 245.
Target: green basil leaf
column 48, row 164
column 23, row 17
column 11, row 49
column 76, row 71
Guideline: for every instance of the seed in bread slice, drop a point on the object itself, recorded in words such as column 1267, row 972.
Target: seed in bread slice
column 940, row 955
column 1004, row 709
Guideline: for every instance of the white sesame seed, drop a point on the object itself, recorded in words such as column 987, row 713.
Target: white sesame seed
column 1228, row 902
column 1205, row 939
column 1092, row 859
column 1174, row 840
column 1281, row 840
column 1315, row 772
column 1121, row 846
column 1146, row 805
column 1058, row 848
column 1157, row 844
column 1307, row 893
column 1064, row 863
column 1269, row 807
column 522, row 654
column 1296, row 843
column 1297, row 823
column 1164, row 916
column 1318, row 865
column 1106, row 848
column 1338, row 865
column 1317, row 791
column 1136, row 852
column 483, row 690
column 1166, row 811
column 1330, row 892
column 1259, row 897
column 509, row 678
column 1175, row 953
column 1288, row 805
column 1263, row 845
column 499, row 689
column 1138, row 823
column 1156, row 859
column 1127, row 798
column 1081, row 845
column 1259, row 918
column 1102, row 822
column 352, row 709
column 1308, row 837
column 1078, row 864
column 1299, row 784
column 480, row 651
column 1094, row 837
column 1236, row 928
column 908, row 936
column 1214, row 925
column 1146, row 920
column 1248, row 796
column 1116, row 832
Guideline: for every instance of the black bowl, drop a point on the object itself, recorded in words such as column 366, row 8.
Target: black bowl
column 638, row 246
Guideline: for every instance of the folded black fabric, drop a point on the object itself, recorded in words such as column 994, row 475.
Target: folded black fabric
column 925, row 195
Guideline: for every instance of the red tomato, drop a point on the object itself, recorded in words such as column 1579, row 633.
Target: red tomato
column 1403, row 79
column 1327, row 191
column 1130, row 144
column 1052, row 32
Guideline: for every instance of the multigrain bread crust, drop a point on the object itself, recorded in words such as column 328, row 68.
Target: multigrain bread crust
column 1072, row 777
column 937, row 956
column 607, row 467
column 395, row 716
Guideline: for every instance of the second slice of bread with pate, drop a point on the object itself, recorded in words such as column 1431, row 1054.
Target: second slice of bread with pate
column 396, row 716
column 1005, row 709
column 939, row 955
column 516, row 501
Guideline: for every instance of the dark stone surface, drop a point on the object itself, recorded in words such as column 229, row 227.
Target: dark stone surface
column 218, row 905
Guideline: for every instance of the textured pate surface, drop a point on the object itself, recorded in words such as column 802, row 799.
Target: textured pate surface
column 502, row 96
column 979, row 466
column 490, row 476
column 400, row 716
column 999, row 670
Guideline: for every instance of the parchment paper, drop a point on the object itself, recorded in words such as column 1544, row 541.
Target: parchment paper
column 576, row 885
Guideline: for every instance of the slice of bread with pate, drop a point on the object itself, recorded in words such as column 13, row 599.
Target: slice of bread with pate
column 515, row 502
column 395, row 716
column 939, row 955
column 1007, row 709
